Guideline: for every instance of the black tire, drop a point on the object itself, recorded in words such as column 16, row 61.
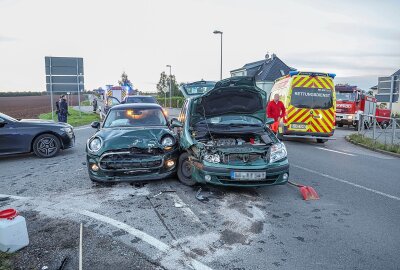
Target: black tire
column 185, row 170
column 46, row 146
column 321, row 141
column 340, row 125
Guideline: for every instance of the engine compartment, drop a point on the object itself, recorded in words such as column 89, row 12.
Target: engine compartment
column 239, row 140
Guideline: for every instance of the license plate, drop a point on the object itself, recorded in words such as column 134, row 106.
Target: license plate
column 298, row 126
column 248, row 175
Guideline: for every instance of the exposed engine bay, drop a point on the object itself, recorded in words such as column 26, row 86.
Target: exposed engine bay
column 235, row 148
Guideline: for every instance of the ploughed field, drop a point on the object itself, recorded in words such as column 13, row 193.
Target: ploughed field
column 29, row 106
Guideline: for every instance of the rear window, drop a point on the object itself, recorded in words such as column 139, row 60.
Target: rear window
column 141, row 100
column 312, row 98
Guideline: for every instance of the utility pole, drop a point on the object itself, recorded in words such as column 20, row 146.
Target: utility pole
column 220, row 33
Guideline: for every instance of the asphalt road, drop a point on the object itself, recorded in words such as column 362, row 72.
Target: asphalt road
column 161, row 225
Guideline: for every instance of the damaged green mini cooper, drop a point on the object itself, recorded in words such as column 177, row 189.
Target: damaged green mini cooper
column 225, row 136
column 135, row 143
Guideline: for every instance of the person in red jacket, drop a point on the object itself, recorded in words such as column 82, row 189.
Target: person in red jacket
column 276, row 110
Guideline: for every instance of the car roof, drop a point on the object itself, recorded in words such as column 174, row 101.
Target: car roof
column 137, row 106
column 138, row 96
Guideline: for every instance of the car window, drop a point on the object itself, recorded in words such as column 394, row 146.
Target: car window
column 135, row 118
column 182, row 116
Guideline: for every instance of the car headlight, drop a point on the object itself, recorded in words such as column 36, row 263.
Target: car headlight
column 277, row 152
column 213, row 158
column 95, row 144
column 349, row 117
column 168, row 141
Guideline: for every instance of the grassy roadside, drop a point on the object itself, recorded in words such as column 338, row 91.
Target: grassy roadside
column 74, row 119
column 370, row 143
column 5, row 261
column 86, row 103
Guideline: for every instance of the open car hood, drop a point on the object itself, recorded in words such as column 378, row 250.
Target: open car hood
column 236, row 95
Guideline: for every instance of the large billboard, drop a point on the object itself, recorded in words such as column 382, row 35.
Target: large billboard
column 64, row 74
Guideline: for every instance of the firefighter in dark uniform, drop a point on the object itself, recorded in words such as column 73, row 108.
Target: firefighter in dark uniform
column 63, row 114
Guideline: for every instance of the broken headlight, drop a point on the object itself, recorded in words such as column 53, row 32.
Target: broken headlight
column 277, row 152
column 168, row 141
column 95, row 144
column 213, row 158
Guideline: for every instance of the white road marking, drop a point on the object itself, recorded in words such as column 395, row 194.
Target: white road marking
column 330, row 150
column 13, row 197
column 81, row 128
column 347, row 182
column 185, row 208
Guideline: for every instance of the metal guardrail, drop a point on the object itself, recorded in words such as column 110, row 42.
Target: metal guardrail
column 386, row 131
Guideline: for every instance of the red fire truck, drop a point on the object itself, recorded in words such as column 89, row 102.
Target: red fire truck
column 351, row 102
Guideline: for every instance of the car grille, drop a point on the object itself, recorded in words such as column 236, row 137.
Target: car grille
column 129, row 161
column 244, row 158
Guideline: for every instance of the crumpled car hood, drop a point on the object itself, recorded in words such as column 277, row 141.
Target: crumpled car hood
column 237, row 95
column 125, row 138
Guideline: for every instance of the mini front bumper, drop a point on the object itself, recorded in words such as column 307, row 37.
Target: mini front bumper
column 221, row 175
column 133, row 175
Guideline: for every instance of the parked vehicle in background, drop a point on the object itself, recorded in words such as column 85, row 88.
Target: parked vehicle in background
column 139, row 99
column 135, row 143
column 352, row 102
column 225, row 138
column 44, row 138
column 309, row 99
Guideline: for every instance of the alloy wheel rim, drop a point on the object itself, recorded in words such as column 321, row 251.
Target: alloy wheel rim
column 47, row 146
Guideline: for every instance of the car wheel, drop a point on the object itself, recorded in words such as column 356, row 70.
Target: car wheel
column 46, row 146
column 185, row 170
column 340, row 125
column 321, row 141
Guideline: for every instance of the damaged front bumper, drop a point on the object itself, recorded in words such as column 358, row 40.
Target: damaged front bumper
column 127, row 167
column 220, row 174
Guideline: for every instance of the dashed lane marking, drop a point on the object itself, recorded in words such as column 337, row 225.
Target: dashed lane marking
column 339, row 152
column 347, row 182
column 81, row 128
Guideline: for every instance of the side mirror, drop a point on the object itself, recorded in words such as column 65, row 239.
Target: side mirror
column 123, row 102
column 175, row 123
column 269, row 121
column 95, row 125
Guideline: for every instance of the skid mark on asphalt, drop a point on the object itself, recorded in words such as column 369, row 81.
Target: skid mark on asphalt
column 171, row 259
column 347, row 182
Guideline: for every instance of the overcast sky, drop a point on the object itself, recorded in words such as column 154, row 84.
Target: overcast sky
column 349, row 38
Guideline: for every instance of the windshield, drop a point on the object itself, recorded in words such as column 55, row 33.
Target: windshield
column 141, row 100
column 6, row 117
column 233, row 120
column 135, row 118
column 312, row 98
column 197, row 88
column 345, row 96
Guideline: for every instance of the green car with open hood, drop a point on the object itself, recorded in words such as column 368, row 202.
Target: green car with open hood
column 225, row 136
column 135, row 143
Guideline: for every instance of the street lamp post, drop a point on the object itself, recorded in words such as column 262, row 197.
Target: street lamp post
column 220, row 33
column 170, row 86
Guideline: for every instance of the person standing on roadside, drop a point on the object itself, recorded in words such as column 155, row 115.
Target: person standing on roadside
column 94, row 103
column 276, row 110
column 63, row 114
column 58, row 108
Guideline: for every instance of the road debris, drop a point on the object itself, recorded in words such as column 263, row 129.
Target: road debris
column 163, row 191
column 307, row 192
column 63, row 263
column 200, row 197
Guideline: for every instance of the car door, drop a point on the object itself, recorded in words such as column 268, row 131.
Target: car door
column 9, row 142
